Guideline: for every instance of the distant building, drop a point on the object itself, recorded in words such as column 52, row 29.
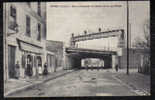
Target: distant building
column 144, row 61
column 24, row 37
column 137, row 59
column 54, row 54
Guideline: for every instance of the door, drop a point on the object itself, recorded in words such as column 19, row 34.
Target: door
column 29, row 65
column 11, row 61
column 39, row 64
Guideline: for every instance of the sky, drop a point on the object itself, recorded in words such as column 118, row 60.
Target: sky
column 63, row 19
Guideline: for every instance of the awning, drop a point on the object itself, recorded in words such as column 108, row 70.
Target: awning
column 30, row 47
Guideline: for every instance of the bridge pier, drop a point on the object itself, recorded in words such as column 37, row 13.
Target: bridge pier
column 114, row 61
column 108, row 62
column 71, row 62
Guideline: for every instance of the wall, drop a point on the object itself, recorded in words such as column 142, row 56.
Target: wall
column 57, row 48
column 134, row 58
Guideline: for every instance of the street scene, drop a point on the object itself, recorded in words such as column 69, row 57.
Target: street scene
column 88, row 83
column 76, row 49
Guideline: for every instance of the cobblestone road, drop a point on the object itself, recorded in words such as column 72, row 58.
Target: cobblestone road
column 80, row 83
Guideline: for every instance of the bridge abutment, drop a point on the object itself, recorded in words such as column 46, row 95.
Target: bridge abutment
column 72, row 62
column 114, row 61
column 108, row 62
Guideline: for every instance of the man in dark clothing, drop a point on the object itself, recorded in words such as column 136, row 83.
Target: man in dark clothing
column 116, row 67
column 17, row 74
column 45, row 72
column 29, row 69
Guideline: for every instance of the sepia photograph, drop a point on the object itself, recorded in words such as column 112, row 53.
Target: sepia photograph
column 76, row 49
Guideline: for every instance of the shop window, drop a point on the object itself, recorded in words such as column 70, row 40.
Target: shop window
column 29, row 59
column 39, row 32
column 28, row 26
column 39, row 61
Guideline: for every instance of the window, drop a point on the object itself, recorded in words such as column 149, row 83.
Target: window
column 28, row 26
column 13, row 12
column 13, row 24
column 29, row 4
column 39, row 9
column 39, row 32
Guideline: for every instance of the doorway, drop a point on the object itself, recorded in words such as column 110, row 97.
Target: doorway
column 11, row 61
column 29, row 70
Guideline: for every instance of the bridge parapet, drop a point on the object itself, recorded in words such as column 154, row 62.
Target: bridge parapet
column 113, row 33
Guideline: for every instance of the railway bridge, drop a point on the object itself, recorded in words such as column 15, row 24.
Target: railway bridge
column 74, row 55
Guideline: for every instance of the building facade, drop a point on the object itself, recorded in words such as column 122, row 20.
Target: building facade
column 50, row 56
column 24, row 38
column 54, row 55
column 137, row 59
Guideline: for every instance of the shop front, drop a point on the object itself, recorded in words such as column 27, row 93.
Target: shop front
column 31, row 59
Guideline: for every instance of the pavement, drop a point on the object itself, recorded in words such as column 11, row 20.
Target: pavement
column 138, row 82
column 92, row 83
column 17, row 85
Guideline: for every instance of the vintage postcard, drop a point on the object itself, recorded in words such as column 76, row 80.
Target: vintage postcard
column 76, row 49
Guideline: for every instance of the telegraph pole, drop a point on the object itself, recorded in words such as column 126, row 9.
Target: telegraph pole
column 127, row 72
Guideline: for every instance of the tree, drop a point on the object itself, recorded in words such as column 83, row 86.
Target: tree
column 144, row 42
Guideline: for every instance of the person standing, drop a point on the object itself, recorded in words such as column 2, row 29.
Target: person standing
column 45, row 72
column 39, row 69
column 17, row 71
column 55, row 65
column 116, row 67
column 29, row 68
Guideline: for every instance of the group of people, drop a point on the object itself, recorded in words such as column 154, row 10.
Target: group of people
column 29, row 70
